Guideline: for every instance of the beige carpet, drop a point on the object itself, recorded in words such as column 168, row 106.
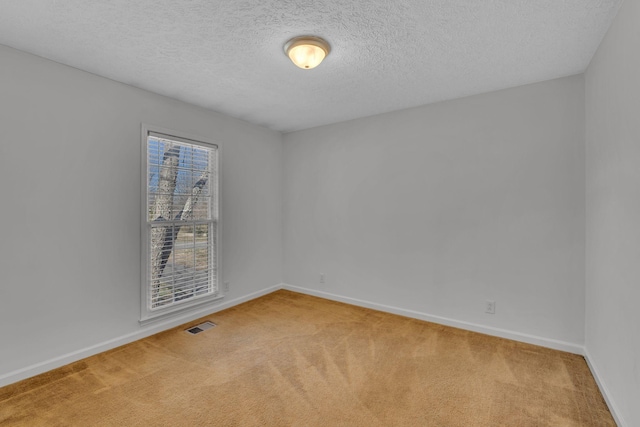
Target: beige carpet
column 288, row 359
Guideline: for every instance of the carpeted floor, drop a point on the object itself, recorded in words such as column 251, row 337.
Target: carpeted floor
column 288, row 359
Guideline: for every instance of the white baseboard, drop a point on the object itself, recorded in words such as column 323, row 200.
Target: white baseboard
column 144, row 332
column 488, row 330
column 604, row 390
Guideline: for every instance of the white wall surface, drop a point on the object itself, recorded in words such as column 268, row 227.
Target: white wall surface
column 438, row 208
column 613, row 213
column 70, row 205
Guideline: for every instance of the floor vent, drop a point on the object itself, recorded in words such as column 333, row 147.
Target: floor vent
column 199, row 328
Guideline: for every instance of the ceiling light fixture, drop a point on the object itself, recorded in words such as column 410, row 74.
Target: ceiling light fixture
column 307, row 52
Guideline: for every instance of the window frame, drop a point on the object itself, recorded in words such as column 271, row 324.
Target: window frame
column 148, row 315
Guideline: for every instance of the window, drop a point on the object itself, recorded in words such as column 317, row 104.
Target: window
column 180, row 225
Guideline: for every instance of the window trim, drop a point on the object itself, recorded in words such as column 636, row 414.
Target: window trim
column 147, row 315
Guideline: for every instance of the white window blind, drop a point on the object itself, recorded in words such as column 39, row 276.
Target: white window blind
column 182, row 221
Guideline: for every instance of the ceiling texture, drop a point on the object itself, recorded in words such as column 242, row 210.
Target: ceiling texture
column 386, row 54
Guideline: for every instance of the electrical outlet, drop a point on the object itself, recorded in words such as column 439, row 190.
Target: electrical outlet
column 490, row 308
column 322, row 278
column 226, row 286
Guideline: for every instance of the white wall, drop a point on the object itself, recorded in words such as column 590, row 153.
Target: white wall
column 613, row 213
column 436, row 209
column 70, row 205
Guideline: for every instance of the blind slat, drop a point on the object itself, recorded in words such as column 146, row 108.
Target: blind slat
column 181, row 194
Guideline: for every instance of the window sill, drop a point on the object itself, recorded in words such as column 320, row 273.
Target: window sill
column 156, row 316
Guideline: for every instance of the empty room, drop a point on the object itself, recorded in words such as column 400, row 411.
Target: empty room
column 320, row 213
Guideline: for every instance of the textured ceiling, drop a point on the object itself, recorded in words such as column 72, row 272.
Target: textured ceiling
column 386, row 55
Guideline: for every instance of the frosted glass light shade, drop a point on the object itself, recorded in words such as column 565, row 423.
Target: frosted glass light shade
column 307, row 52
